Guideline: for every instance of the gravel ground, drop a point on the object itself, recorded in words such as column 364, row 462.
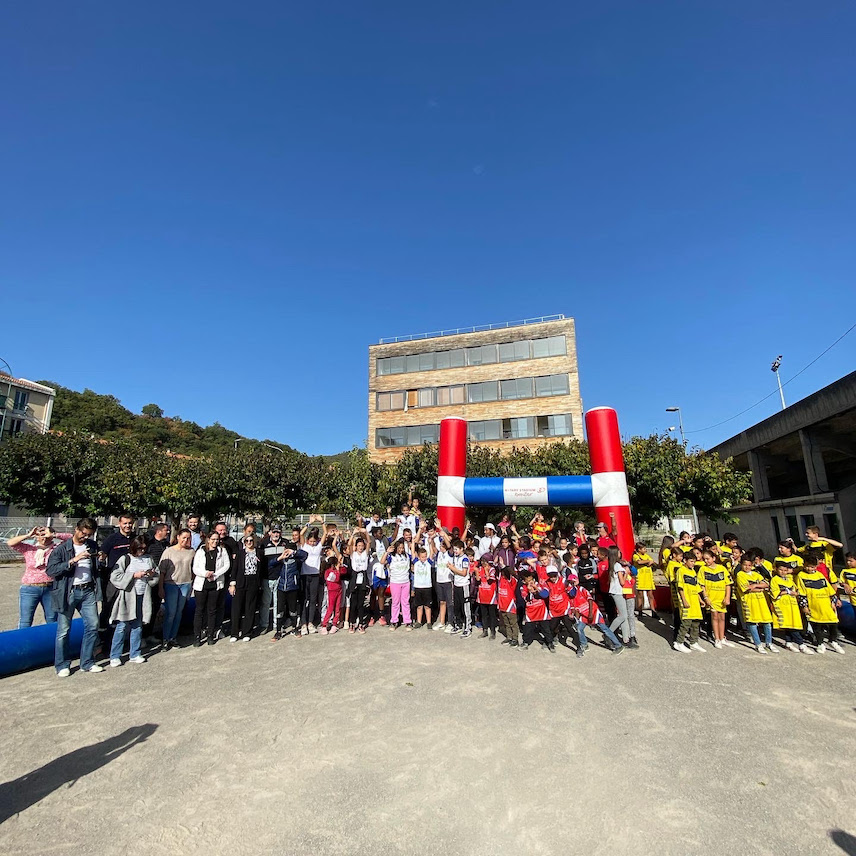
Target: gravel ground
column 420, row 742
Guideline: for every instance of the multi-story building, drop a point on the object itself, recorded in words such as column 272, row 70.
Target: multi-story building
column 24, row 406
column 517, row 384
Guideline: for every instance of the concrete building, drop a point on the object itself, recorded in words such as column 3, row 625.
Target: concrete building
column 25, row 406
column 803, row 464
column 517, row 384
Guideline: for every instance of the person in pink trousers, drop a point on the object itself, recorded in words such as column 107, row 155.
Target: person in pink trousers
column 399, row 562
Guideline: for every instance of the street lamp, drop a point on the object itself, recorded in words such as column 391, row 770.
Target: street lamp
column 680, row 422
column 775, row 370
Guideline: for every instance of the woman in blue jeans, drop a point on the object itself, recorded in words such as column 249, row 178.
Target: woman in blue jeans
column 35, row 583
column 133, row 578
column 176, row 577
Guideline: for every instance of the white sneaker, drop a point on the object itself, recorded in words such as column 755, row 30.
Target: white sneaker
column 771, row 649
column 821, row 649
column 791, row 647
column 438, row 625
column 679, row 646
column 449, row 628
column 697, row 646
column 836, row 647
column 760, row 649
column 718, row 644
column 233, row 638
column 96, row 668
column 804, row 649
column 313, row 628
column 304, row 631
column 115, row 662
column 728, row 643
column 139, row 659
column 245, row 639
column 63, row 673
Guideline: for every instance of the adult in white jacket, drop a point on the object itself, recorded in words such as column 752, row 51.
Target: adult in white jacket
column 210, row 569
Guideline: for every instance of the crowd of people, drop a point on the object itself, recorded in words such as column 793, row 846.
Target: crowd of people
column 408, row 572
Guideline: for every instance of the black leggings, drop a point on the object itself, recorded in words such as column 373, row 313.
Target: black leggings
column 830, row 629
column 244, row 600
column 488, row 616
column 206, row 607
column 357, row 605
column 533, row 629
column 286, row 606
column 557, row 622
column 311, row 583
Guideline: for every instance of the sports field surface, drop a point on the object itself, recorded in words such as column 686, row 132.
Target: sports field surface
column 419, row 742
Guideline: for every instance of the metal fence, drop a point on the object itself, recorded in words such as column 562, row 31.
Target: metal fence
column 481, row 328
column 11, row 527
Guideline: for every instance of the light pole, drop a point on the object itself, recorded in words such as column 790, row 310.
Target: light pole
column 775, row 370
column 680, row 421
column 684, row 444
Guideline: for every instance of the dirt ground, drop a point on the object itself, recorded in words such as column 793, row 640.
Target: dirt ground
column 421, row 742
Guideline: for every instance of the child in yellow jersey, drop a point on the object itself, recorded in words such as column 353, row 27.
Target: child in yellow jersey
column 787, row 614
column 674, row 562
column 816, row 541
column 754, row 591
column 692, row 595
column 848, row 577
column 645, row 587
column 788, row 556
column 820, row 603
column 716, row 580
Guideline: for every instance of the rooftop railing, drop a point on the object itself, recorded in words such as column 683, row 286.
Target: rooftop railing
column 481, row 328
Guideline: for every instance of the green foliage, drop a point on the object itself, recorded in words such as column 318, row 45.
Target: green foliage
column 152, row 410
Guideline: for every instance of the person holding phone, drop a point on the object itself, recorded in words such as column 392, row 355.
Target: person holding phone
column 132, row 579
column 72, row 568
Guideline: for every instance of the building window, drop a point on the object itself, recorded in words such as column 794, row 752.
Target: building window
column 559, row 425
column 552, row 346
column 513, row 351
column 488, row 429
column 410, row 435
column 427, row 397
column 390, row 400
column 519, row 388
column 22, row 398
column 515, row 429
column 486, row 391
column 453, row 359
column 481, row 355
column 16, row 426
column 551, row 385
column 450, row 395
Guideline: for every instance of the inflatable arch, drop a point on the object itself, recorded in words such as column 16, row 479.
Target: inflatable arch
column 605, row 488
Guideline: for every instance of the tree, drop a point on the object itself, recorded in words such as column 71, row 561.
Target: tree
column 152, row 410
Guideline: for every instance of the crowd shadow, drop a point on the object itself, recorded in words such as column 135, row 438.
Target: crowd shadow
column 844, row 840
column 19, row 794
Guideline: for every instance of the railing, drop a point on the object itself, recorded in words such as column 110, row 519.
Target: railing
column 481, row 328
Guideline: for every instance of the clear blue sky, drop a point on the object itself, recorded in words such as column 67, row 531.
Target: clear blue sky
column 216, row 206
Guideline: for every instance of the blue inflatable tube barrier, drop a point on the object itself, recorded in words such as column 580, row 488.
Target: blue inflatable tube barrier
column 34, row 646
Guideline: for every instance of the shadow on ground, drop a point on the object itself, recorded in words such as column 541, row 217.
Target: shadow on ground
column 27, row 790
column 844, row 840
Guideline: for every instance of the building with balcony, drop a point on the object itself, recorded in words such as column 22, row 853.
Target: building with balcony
column 517, row 384
column 25, row 406
column 803, row 465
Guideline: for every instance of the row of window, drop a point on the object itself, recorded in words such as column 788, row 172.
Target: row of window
column 480, row 355
column 473, row 393
column 20, row 402
column 558, row 425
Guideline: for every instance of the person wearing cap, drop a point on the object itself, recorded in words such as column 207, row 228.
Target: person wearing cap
column 605, row 536
column 488, row 542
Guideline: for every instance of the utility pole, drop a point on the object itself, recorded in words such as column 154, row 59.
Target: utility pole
column 775, row 369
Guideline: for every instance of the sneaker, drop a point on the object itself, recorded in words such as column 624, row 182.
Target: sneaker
column 246, row 638
column 408, row 627
column 493, row 634
column 382, row 621
column 428, row 626
column 697, row 646
column 323, row 631
column 312, row 628
column 804, row 649
column 679, row 646
column 791, row 647
column 115, row 662
column 197, row 643
column 466, row 633
column 352, row 629
column 438, row 625
column 728, row 643
column 221, row 634
column 551, row 648
column 233, row 638
column 771, row 649
column 304, row 631
column 523, row 646
column 619, row 648
column 505, row 642
column 361, row 629
column 836, row 647
column 276, row 636
column 633, row 643
column 760, row 649
column 63, row 673
column 139, row 660
column 371, row 622
column 450, row 629
column 95, row 668
column 393, row 626
column 580, row 652
column 514, row 643
column 484, row 634
column 821, row 649
column 718, row 644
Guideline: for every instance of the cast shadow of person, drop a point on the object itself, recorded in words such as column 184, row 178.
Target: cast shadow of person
column 27, row 790
column 844, row 840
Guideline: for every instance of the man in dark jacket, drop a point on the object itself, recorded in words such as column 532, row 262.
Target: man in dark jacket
column 273, row 548
column 113, row 547
column 72, row 566
column 158, row 543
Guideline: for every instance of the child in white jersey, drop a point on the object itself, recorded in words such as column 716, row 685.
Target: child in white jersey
column 460, row 567
column 423, row 589
column 443, row 585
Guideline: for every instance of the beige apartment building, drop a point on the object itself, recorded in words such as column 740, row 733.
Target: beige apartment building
column 25, row 406
column 517, row 384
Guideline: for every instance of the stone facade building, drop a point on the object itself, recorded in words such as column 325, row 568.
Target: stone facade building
column 25, row 406
column 516, row 384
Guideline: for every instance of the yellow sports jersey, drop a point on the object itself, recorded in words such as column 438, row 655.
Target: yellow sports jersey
column 684, row 548
column 756, row 609
column 848, row 575
column 786, row 610
column 686, row 580
column 828, row 552
column 793, row 563
column 819, row 593
column 716, row 581
column 671, row 571
column 645, row 573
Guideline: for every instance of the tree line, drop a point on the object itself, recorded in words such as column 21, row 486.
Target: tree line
column 76, row 474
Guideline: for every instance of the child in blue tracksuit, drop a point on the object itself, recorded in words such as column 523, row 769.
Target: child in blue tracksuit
column 286, row 590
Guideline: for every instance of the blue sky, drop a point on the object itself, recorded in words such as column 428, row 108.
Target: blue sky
column 217, row 206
